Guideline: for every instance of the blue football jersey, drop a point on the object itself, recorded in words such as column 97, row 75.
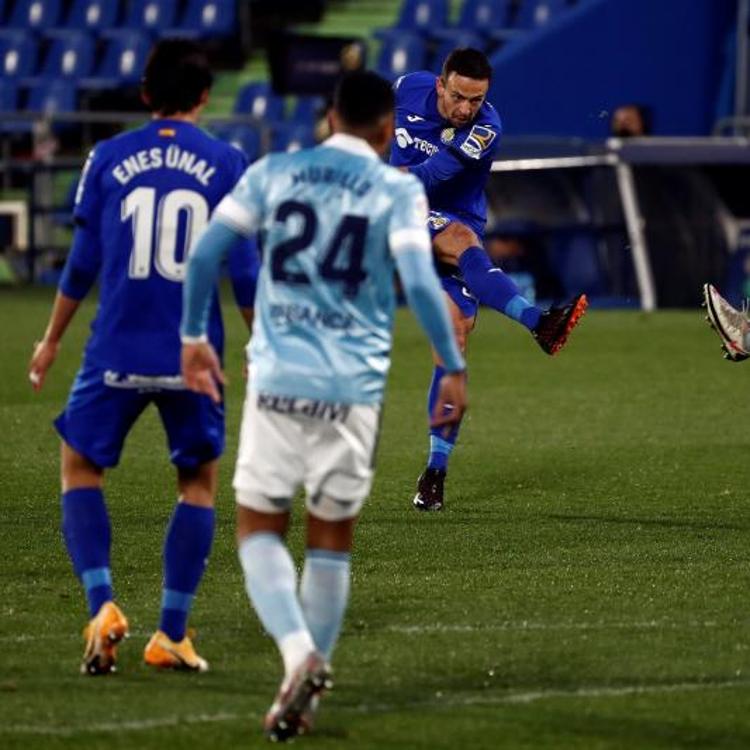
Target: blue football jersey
column 422, row 134
column 332, row 219
column 144, row 196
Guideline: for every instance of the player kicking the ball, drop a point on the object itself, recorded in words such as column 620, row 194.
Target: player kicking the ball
column 142, row 198
column 336, row 222
column 732, row 325
column 446, row 135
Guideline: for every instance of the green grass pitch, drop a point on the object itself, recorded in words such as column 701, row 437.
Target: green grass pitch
column 588, row 585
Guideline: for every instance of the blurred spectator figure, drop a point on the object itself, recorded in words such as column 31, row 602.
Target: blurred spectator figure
column 630, row 120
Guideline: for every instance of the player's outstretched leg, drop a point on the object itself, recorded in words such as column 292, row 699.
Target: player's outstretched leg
column 731, row 325
column 555, row 324
column 186, row 549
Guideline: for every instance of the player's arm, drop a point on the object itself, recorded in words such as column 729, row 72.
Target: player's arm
column 243, row 264
column 451, row 161
column 410, row 245
column 235, row 218
column 80, row 272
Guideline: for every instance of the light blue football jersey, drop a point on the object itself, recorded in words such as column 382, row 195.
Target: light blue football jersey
column 331, row 219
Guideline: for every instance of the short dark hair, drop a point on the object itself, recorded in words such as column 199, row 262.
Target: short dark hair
column 468, row 62
column 177, row 73
column 361, row 98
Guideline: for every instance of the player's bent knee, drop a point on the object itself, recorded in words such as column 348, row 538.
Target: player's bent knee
column 451, row 243
column 77, row 470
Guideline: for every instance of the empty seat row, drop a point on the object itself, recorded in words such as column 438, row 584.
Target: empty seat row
column 193, row 18
column 113, row 62
column 493, row 20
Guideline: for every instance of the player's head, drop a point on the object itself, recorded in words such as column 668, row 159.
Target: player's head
column 363, row 105
column 177, row 77
column 462, row 85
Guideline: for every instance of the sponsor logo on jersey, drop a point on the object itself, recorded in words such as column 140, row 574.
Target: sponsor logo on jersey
column 448, row 135
column 414, row 118
column 478, row 141
column 404, row 139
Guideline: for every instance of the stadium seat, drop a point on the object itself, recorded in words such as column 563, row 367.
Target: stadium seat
column 19, row 52
column 93, row 15
column 35, row 15
column 8, row 95
column 289, row 137
column 257, row 99
column 153, row 16
column 122, row 63
column 307, row 110
column 70, row 55
column 51, row 96
column 481, row 17
column 206, row 18
column 534, row 14
column 399, row 54
column 246, row 138
column 419, row 17
column 460, row 39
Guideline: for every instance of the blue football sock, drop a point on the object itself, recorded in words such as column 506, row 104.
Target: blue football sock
column 186, row 549
column 85, row 527
column 441, row 445
column 324, row 593
column 495, row 289
column 271, row 583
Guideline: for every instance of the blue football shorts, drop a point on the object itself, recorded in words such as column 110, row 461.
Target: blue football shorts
column 450, row 276
column 102, row 407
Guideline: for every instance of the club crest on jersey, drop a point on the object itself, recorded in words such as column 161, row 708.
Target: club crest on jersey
column 478, row 141
column 437, row 221
column 448, row 135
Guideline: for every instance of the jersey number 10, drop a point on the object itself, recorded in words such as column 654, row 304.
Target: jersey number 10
column 140, row 206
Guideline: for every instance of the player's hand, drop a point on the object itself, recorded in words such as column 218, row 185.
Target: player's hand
column 201, row 370
column 45, row 353
column 451, row 403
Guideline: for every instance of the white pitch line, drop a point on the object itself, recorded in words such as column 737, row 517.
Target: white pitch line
column 520, row 625
column 532, row 696
column 526, row 625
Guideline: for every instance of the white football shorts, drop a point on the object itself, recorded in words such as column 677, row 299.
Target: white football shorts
column 287, row 443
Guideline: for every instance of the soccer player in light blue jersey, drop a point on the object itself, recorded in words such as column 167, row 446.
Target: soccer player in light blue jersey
column 446, row 135
column 143, row 197
column 336, row 222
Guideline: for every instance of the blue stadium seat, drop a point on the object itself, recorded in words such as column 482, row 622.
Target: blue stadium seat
column 534, row 14
column 70, row 55
column 481, row 17
column 257, row 99
column 459, row 39
column 123, row 61
column 36, row 15
column 8, row 95
column 93, row 15
column 53, row 95
column 246, row 138
column 153, row 16
column 206, row 18
column 289, row 137
column 420, row 17
column 19, row 52
column 401, row 53
column 307, row 110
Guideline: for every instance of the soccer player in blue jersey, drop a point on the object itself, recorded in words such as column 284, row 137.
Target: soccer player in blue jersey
column 143, row 198
column 446, row 135
column 336, row 222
